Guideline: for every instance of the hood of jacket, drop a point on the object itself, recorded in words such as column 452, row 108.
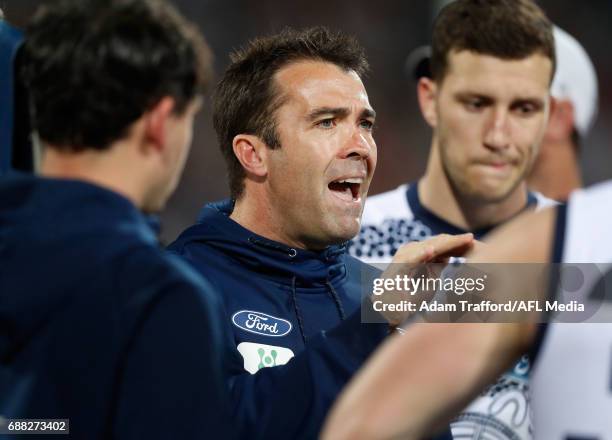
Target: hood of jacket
column 283, row 263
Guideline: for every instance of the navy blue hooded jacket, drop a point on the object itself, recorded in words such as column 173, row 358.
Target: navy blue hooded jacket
column 278, row 302
column 99, row 325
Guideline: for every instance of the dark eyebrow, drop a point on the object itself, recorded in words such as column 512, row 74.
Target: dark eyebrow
column 338, row 112
column 368, row 113
column 534, row 101
column 463, row 96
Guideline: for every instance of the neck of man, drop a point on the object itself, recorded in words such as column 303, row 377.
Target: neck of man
column 110, row 169
column 255, row 212
column 556, row 172
column 438, row 196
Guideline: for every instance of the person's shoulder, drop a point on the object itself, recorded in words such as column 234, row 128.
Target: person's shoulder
column 591, row 206
column 385, row 223
column 599, row 194
column 390, row 203
column 152, row 269
column 191, row 235
column 586, row 236
column 212, row 225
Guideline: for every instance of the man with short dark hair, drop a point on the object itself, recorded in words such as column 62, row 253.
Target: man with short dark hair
column 97, row 324
column 295, row 126
column 488, row 101
column 556, row 170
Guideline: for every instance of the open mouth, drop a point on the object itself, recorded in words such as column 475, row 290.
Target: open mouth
column 347, row 189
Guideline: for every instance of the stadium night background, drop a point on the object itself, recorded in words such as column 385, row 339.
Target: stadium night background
column 389, row 30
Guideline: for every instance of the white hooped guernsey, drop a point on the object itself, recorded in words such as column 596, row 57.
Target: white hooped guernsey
column 396, row 217
column 572, row 379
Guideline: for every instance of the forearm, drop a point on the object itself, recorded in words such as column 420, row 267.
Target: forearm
column 418, row 381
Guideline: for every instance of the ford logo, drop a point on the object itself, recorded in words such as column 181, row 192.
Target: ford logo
column 260, row 323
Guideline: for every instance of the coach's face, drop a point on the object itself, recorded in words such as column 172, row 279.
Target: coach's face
column 489, row 116
column 319, row 177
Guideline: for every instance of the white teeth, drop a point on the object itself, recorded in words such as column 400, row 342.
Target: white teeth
column 352, row 180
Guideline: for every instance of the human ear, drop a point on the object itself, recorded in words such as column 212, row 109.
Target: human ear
column 251, row 152
column 426, row 93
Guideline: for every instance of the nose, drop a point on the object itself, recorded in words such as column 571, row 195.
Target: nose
column 497, row 135
column 359, row 145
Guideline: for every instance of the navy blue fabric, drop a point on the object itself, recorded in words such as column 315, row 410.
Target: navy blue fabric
column 556, row 259
column 10, row 40
column 559, row 236
column 310, row 290
column 100, row 325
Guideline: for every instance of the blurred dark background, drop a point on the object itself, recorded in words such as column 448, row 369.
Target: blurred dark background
column 389, row 30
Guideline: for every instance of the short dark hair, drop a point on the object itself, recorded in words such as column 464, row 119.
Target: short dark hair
column 507, row 29
column 93, row 67
column 245, row 101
